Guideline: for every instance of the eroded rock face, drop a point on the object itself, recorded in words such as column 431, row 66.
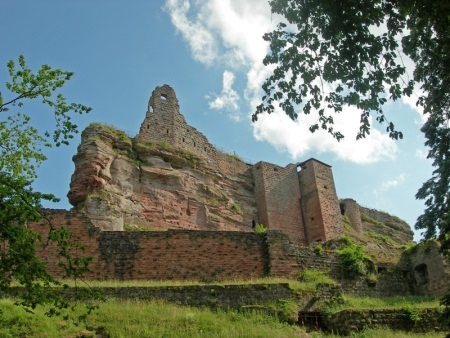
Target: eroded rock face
column 124, row 185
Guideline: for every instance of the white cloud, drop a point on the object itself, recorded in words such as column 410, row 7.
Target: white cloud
column 295, row 138
column 228, row 33
column 389, row 184
column 200, row 40
column 228, row 98
column 393, row 183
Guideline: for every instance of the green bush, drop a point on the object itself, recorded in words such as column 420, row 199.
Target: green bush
column 318, row 250
column 411, row 313
column 260, row 228
column 354, row 258
column 165, row 145
column 445, row 316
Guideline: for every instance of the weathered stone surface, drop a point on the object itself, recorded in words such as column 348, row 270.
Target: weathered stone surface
column 124, row 185
column 392, row 226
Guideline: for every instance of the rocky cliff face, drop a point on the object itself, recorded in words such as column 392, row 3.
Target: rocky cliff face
column 121, row 184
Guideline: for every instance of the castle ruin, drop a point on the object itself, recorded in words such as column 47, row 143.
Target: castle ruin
column 299, row 199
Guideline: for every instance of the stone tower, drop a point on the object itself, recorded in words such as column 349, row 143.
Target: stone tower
column 350, row 208
column 164, row 123
column 320, row 205
column 278, row 199
column 299, row 199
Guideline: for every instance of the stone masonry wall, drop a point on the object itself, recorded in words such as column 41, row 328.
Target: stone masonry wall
column 278, row 199
column 214, row 296
column 429, row 270
column 287, row 259
column 221, row 255
column 350, row 321
column 350, row 208
column 321, row 214
column 178, row 255
column 164, row 123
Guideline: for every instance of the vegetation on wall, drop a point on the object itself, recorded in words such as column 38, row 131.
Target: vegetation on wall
column 354, row 259
column 260, row 228
column 235, row 208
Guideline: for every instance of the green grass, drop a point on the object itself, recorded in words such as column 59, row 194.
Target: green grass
column 380, row 333
column 378, row 238
column 397, row 302
column 112, row 130
column 309, row 279
column 135, row 318
column 144, row 319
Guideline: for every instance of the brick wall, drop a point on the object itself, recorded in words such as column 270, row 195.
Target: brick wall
column 223, row 255
column 321, row 213
column 178, row 254
column 278, row 199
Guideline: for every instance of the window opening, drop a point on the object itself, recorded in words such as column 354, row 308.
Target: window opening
column 421, row 274
column 163, row 97
column 342, row 207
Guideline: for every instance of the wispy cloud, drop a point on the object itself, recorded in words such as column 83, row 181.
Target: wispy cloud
column 228, row 99
column 390, row 184
column 228, row 34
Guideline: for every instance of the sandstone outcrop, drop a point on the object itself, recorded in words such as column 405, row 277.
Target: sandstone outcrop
column 124, row 185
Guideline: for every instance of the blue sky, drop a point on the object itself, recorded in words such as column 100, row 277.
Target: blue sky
column 210, row 52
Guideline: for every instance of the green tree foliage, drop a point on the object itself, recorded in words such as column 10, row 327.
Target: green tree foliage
column 20, row 155
column 331, row 54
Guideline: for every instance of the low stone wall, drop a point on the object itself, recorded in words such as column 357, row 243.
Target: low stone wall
column 212, row 296
column 348, row 321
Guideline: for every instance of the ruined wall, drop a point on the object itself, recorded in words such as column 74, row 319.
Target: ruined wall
column 320, row 206
column 347, row 322
column 429, row 270
column 350, row 208
column 224, row 255
column 277, row 193
column 287, row 259
column 179, row 254
column 164, row 123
